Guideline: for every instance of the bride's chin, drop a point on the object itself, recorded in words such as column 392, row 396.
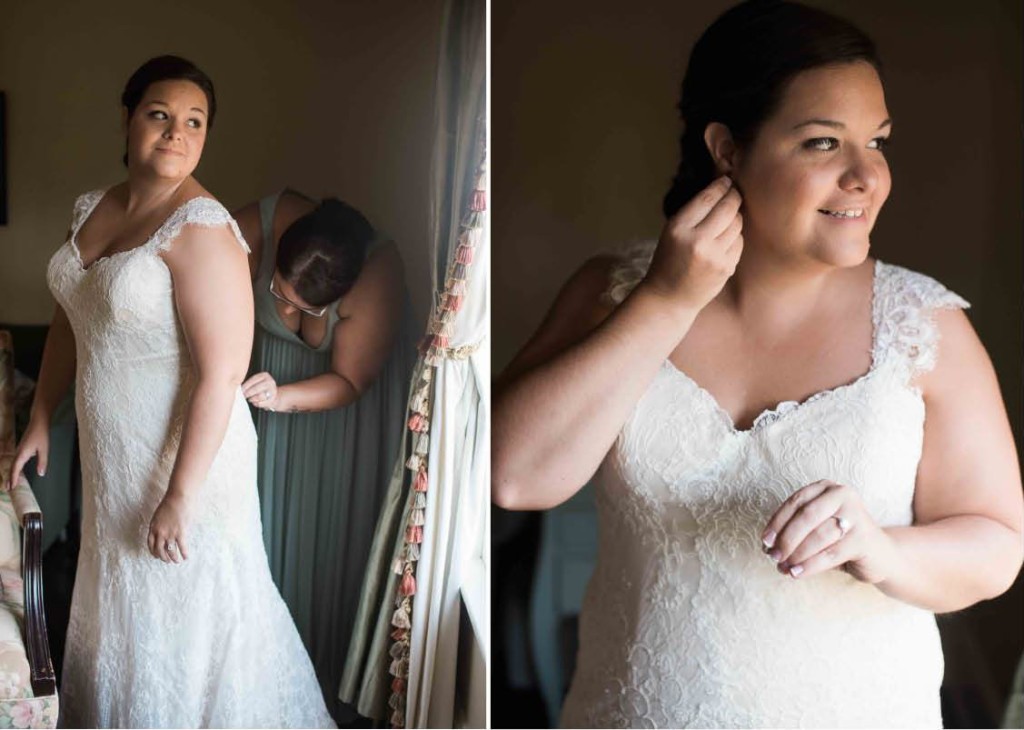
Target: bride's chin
column 843, row 254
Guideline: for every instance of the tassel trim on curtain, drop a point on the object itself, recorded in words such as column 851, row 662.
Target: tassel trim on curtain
column 435, row 348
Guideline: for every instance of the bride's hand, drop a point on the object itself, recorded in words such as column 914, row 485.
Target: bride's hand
column 167, row 529
column 825, row 525
column 35, row 442
column 699, row 247
column 261, row 390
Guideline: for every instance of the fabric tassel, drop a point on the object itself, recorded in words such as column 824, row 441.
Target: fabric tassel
column 464, row 254
column 398, row 685
column 419, row 402
column 397, row 719
column 414, row 553
column 420, row 483
column 399, row 668
column 419, row 501
column 475, row 219
column 422, row 444
column 397, row 650
column 416, row 517
column 426, row 375
column 447, row 329
column 414, row 534
column 398, row 566
column 400, row 618
column 397, row 702
column 459, row 271
column 408, row 585
column 479, row 200
column 475, row 237
column 453, row 303
column 418, row 423
column 414, row 462
column 442, row 323
column 400, row 634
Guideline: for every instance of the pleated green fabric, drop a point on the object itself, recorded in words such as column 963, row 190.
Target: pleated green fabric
column 323, row 476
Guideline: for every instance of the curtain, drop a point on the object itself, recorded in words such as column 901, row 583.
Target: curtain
column 402, row 659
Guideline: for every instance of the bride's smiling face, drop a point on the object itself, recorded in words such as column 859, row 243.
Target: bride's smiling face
column 815, row 177
column 167, row 131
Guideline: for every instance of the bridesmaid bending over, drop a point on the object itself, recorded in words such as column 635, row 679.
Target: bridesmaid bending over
column 329, row 378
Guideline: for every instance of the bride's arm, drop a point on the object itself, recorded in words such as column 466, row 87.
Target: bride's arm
column 213, row 295
column 56, row 374
column 561, row 403
column 966, row 542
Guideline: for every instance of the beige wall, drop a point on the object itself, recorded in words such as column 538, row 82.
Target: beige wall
column 585, row 136
column 333, row 98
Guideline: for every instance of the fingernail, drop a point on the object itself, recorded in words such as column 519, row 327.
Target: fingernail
column 769, row 538
column 796, row 570
column 775, row 555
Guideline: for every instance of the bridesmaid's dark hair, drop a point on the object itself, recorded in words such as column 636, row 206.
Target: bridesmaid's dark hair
column 321, row 253
column 166, row 68
column 739, row 70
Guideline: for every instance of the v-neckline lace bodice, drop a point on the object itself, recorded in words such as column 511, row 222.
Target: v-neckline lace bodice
column 685, row 622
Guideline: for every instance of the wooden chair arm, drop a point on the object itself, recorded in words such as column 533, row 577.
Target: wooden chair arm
column 37, row 645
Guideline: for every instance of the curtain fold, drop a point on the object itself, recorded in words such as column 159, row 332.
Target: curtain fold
column 402, row 657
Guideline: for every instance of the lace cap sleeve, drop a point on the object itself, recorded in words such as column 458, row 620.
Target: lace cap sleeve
column 84, row 205
column 904, row 316
column 197, row 211
column 633, row 261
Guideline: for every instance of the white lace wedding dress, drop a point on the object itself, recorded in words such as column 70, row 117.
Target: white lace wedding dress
column 686, row 623
column 205, row 643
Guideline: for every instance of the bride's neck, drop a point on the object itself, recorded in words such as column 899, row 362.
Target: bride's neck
column 145, row 193
column 767, row 291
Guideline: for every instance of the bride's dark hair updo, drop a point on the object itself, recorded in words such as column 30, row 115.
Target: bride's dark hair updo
column 739, row 70
column 167, row 68
column 321, row 253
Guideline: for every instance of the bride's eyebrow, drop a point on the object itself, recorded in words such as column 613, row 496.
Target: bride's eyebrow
column 834, row 124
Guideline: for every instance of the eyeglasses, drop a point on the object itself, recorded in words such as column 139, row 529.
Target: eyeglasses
column 311, row 312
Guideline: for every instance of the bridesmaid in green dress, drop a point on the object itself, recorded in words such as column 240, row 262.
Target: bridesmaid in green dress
column 329, row 376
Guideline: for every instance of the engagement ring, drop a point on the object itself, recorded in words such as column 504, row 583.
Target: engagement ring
column 843, row 524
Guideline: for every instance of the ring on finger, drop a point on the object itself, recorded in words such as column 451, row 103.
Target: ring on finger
column 266, row 395
column 843, row 524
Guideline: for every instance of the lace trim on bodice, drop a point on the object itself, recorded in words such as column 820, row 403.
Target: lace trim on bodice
column 196, row 211
column 904, row 303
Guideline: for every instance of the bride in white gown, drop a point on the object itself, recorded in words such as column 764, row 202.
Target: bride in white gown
column 175, row 621
column 778, row 518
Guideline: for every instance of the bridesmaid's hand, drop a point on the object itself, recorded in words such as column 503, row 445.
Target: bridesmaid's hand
column 167, row 529
column 825, row 525
column 261, row 391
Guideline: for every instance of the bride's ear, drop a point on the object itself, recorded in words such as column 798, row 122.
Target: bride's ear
column 721, row 147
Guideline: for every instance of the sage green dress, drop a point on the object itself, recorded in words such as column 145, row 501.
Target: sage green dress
column 323, row 475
